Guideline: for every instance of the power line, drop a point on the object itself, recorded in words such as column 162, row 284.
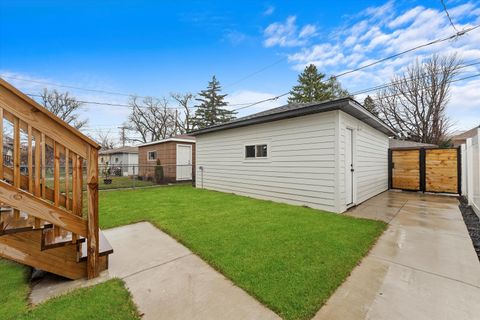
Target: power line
column 448, row 15
column 262, row 101
column 255, row 72
column 247, row 105
column 451, row 81
column 461, row 33
column 72, row 87
column 386, row 85
column 436, row 41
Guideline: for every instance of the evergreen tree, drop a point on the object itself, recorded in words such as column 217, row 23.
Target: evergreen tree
column 369, row 104
column 210, row 110
column 313, row 88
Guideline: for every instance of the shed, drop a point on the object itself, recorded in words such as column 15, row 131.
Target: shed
column 176, row 155
column 122, row 161
column 330, row 155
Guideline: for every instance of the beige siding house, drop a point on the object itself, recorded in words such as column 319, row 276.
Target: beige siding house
column 327, row 156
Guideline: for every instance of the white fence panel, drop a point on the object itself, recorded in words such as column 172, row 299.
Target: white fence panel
column 471, row 171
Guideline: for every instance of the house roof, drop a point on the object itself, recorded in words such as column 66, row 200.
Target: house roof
column 119, row 150
column 407, row 144
column 178, row 138
column 347, row 105
column 466, row 134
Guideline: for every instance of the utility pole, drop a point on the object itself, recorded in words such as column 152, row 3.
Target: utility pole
column 123, row 136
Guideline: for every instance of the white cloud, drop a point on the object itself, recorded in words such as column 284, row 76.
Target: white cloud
column 235, row 37
column 406, row 17
column 269, row 11
column 378, row 32
column 307, row 31
column 286, row 34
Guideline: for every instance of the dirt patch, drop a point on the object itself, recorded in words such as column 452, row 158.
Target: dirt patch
column 473, row 224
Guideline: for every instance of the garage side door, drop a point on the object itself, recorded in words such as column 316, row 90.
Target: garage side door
column 406, row 169
column 184, row 162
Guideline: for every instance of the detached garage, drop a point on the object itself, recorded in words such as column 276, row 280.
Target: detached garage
column 329, row 156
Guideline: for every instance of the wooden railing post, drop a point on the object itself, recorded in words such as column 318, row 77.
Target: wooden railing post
column 1, row 143
column 16, row 159
column 92, row 194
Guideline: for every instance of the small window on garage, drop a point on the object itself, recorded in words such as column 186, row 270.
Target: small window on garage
column 152, row 155
column 249, row 151
column 256, row 151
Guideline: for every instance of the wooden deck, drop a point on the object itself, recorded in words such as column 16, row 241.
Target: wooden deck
column 42, row 221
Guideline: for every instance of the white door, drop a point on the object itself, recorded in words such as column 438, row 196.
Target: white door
column 349, row 167
column 184, row 162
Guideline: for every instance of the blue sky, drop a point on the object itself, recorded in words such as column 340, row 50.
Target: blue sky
column 157, row 47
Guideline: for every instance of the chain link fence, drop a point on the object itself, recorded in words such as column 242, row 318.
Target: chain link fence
column 136, row 176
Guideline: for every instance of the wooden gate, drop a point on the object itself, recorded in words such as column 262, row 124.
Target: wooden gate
column 428, row 170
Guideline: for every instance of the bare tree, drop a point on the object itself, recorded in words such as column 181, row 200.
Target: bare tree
column 183, row 119
column 105, row 140
column 415, row 102
column 64, row 106
column 151, row 119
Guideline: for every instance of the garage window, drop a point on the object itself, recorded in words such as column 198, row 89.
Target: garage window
column 152, row 155
column 256, row 151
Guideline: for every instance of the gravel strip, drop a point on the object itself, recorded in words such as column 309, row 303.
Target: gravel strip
column 473, row 224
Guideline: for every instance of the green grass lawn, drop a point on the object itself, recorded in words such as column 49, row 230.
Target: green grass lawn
column 290, row 258
column 106, row 301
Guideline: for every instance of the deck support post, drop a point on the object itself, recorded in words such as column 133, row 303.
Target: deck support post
column 92, row 194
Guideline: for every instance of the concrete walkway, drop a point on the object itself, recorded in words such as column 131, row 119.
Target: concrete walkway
column 166, row 280
column 423, row 267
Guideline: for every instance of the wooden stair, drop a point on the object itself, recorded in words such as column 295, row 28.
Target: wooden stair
column 42, row 221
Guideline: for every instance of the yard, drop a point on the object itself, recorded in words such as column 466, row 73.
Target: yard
column 109, row 300
column 290, row 258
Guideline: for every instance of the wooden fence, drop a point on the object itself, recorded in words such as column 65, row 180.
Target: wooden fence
column 428, row 170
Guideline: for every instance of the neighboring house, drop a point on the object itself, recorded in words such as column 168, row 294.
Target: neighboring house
column 176, row 155
column 122, row 161
column 330, row 155
column 461, row 138
column 407, row 144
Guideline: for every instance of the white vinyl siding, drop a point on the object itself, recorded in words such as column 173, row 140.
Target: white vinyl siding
column 305, row 163
column 299, row 168
column 370, row 160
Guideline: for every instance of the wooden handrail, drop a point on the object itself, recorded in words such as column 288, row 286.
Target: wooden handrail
column 40, row 109
column 28, row 192
column 39, row 208
column 49, row 193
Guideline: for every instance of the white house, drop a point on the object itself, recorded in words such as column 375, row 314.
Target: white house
column 329, row 155
column 122, row 161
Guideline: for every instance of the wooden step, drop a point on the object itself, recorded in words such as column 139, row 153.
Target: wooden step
column 54, row 238
column 25, row 248
column 104, row 249
column 10, row 224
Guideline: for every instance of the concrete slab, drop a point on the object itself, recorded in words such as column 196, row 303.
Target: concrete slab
column 423, row 267
column 379, row 289
column 166, row 280
column 188, row 288
column 141, row 246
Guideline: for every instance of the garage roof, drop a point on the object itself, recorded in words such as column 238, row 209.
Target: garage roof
column 347, row 105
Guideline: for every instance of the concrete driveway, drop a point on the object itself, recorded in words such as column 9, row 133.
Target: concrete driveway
column 423, row 267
